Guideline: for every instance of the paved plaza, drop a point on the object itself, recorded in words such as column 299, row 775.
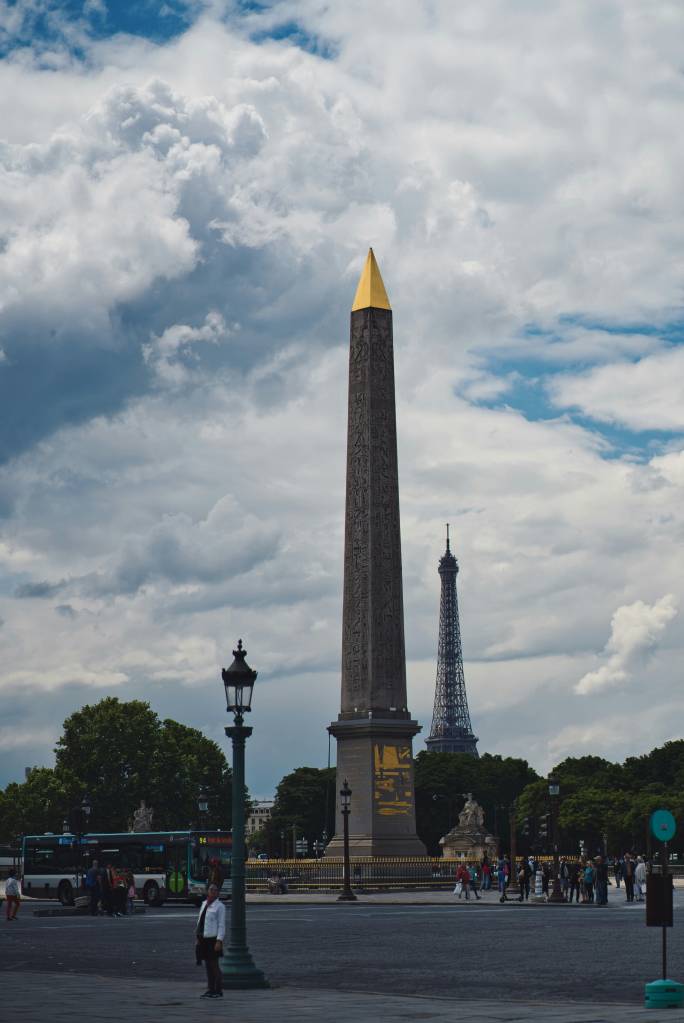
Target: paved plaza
column 380, row 959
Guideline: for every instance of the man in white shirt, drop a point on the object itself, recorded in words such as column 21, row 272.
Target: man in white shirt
column 210, row 932
column 12, row 895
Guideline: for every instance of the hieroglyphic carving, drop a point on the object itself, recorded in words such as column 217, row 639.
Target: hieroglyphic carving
column 392, row 789
column 373, row 658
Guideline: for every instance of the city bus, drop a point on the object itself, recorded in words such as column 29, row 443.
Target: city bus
column 9, row 859
column 165, row 864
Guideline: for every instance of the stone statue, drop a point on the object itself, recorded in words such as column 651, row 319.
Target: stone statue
column 142, row 817
column 469, row 839
column 471, row 817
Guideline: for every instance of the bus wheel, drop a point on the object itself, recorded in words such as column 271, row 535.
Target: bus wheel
column 151, row 894
column 65, row 893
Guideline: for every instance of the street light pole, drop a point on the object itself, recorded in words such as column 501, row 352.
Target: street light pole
column 345, row 806
column 556, row 894
column 237, row 967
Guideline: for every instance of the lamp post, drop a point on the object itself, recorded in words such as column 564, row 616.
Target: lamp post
column 345, row 806
column 556, row 895
column 237, row 966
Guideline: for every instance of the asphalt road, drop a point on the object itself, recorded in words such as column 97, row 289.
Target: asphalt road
column 460, row 951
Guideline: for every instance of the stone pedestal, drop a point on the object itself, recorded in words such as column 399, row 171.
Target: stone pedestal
column 382, row 819
column 469, row 839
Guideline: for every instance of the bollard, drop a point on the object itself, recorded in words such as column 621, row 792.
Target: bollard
column 537, row 895
column 664, row 994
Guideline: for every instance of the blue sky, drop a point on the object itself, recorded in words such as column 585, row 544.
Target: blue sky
column 189, row 191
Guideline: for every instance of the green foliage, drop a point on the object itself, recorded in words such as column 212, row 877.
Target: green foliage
column 120, row 753
column 41, row 803
column 603, row 802
column 305, row 798
column 442, row 779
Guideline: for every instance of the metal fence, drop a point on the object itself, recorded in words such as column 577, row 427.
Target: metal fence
column 366, row 872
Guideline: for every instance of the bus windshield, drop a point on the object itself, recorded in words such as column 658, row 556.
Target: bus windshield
column 210, row 858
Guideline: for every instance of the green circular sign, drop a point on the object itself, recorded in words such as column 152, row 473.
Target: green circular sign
column 663, row 825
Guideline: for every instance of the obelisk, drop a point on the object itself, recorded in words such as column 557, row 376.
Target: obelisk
column 374, row 730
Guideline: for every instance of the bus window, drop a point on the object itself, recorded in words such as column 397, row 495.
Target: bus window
column 154, row 856
column 40, row 859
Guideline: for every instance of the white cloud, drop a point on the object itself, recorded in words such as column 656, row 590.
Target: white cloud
column 169, row 353
column 635, row 631
column 180, row 478
column 644, row 395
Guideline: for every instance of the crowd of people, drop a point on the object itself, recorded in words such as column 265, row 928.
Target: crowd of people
column 583, row 880
column 111, row 890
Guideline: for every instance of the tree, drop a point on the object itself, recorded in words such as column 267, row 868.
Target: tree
column 120, row 753
column 441, row 779
column 305, row 798
column 110, row 747
column 39, row 804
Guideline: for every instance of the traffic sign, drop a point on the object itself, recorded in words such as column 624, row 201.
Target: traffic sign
column 663, row 825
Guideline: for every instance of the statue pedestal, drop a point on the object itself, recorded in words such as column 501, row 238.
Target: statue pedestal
column 469, row 839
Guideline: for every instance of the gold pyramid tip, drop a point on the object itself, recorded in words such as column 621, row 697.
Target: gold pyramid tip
column 370, row 290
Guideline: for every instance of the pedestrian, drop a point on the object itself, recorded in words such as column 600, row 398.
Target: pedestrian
column 617, row 870
column 589, row 877
column 574, row 884
column 546, row 875
column 463, row 879
column 106, row 879
column 92, row 883
column 564, row 877
column 640, row 879
column 210, row 932
column 12, row 895
column 474, row 883
column 486, row 875
column 601, row 881
column 119, row 891
column 503, row 876
column 130, row 885
column 628, row 877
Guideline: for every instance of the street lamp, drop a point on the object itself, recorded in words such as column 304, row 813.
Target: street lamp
column 237, row 966
column 345, row 806
column 556, row 894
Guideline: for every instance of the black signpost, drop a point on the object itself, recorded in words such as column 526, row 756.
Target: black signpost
column 659, row 900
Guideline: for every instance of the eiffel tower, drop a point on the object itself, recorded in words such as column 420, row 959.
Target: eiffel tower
column 451, row 730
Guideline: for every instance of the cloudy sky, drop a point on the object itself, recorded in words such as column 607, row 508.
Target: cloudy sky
column 187, row 194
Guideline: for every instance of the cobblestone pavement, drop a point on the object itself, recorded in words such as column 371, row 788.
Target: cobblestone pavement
column 61, row 998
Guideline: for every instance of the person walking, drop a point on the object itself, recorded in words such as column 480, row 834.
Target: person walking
column 564, row 869
column 463, row 878
column 574, row 884
column 130, row 892
column 210, row 932
column 640, row 879
column 503, row 876
column 589, row 877
column 106, row 879
column 474, row 883
column 119, row 891
column 486, row 875
column 628, row 876
column 92, row 883
column 601, row 881
column 617, row 871
column 12, row 895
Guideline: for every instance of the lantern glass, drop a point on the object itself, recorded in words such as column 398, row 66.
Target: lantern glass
column 86, row 807
column 238, row 681
column 554, row 787
column 203, row 804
